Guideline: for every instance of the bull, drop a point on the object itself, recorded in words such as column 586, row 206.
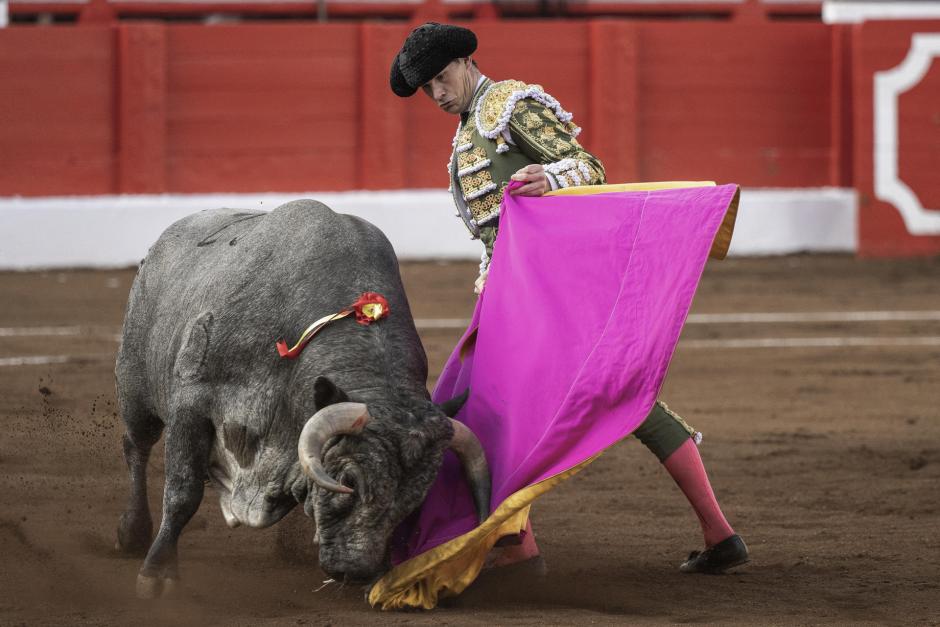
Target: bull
column 347, row 429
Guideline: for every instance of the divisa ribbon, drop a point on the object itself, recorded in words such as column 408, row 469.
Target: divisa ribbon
column 369, row 308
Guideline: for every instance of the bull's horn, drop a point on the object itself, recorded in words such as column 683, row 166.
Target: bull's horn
column 336, row 419
column 468, row 448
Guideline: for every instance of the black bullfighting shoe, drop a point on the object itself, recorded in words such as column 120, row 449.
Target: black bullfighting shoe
column 716, row 559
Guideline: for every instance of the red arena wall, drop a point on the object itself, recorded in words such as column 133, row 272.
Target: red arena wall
column 286, row 107
column 155, row 107
column 57, row 122
column 900, row 214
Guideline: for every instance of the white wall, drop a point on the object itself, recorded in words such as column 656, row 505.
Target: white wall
column 112, row 231
column 858, row 11
column 781, row 221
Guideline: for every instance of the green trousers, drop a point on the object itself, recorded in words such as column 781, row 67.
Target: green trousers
column 663, row 431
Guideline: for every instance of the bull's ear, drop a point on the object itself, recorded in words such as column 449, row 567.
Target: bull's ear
column 451, row 407
column 326, row 393
column 190, row 361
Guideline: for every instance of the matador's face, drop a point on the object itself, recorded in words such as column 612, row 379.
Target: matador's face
column 452, row 89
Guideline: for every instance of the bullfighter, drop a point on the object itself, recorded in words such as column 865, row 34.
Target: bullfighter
column 513, row 131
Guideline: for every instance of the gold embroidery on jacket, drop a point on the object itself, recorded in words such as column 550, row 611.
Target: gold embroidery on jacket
column 474, row 184
column 531, row 120
column 466, row 134
column 485, row 207
column 471, row 157
column 493, row 105
column 535, row 119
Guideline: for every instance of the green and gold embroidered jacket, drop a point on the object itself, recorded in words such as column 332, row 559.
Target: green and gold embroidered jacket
column 508, row 126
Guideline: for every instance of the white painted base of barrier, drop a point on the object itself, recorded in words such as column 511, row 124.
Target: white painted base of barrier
column 116, row 231
column 858, row 11
column 783, row 221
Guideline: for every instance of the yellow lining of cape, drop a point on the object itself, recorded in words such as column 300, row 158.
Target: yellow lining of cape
column 722, row 241
column 447, row 569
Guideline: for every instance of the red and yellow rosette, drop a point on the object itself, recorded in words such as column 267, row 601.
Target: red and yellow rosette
column 370, row 307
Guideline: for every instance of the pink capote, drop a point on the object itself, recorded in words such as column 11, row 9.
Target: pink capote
column 583, row 307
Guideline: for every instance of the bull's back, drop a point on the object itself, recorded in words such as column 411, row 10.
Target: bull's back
column 216, row 245
column 260, row 275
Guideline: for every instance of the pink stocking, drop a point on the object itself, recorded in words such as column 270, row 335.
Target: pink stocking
column 686, row 468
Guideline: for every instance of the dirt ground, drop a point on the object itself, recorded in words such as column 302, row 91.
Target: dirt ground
column 826, row 459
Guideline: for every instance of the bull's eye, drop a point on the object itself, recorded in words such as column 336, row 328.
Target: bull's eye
column 335, row 507
column 340, row 503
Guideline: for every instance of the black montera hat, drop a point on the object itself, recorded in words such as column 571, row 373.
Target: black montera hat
column 427, row 51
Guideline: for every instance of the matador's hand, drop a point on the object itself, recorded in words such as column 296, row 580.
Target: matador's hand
column 480, row 283
column 536, row 182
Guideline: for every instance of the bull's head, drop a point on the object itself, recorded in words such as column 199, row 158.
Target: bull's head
column 377, row 475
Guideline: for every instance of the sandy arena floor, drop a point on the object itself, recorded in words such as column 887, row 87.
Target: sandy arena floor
column 825, row 457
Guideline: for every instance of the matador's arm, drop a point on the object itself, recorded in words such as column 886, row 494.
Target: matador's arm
column 537, row 131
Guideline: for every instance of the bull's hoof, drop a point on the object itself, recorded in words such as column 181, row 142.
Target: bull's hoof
column 134, row 534
column 717, row 559
column 156, row 587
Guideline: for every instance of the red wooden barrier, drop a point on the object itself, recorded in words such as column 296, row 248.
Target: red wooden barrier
column 141, row 120
column 891, row 222
column 149, row 107
column 262, row 107
column 437, row 10
column 736, row 102
column 57, row 106
column 292, row 107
